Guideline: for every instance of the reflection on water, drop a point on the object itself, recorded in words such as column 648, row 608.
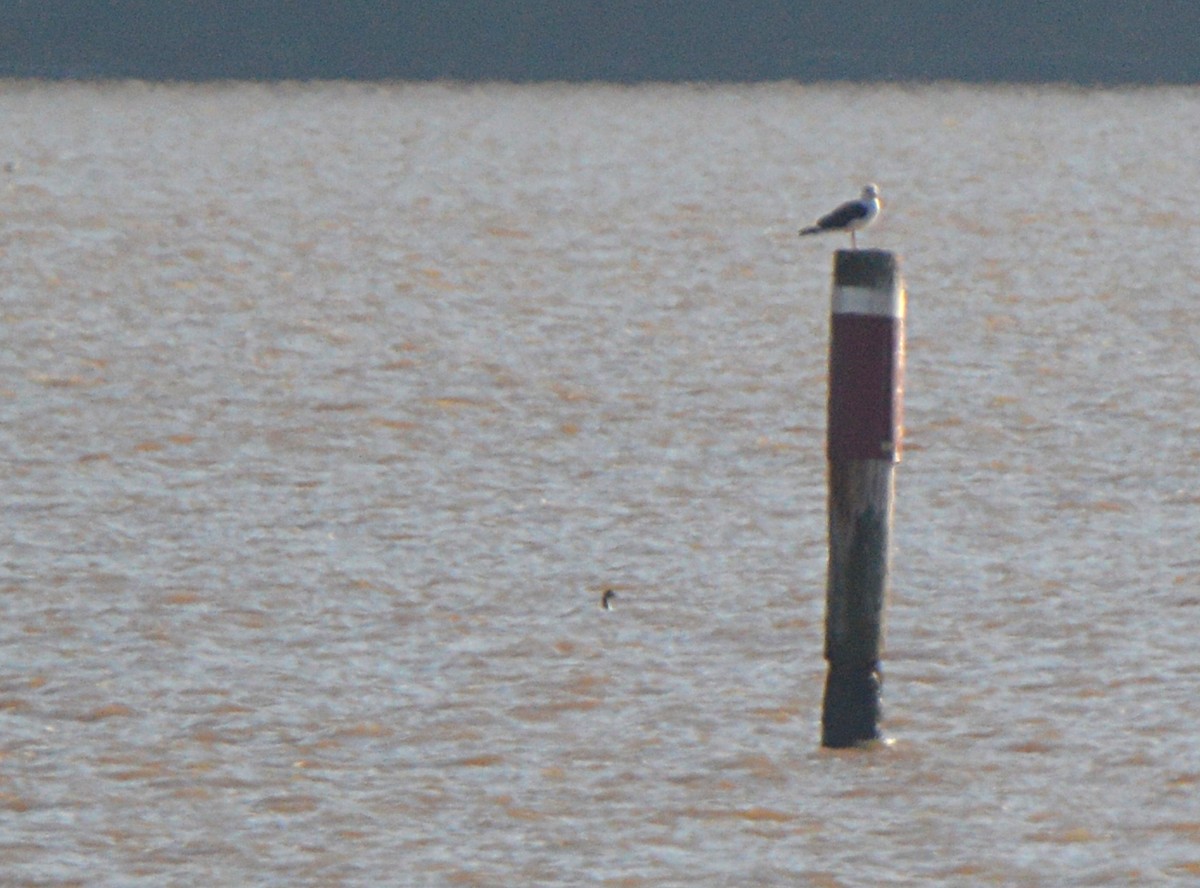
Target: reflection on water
column 329, row 411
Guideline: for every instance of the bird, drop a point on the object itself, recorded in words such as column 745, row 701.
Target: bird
column 850, row 216
column 607, row 599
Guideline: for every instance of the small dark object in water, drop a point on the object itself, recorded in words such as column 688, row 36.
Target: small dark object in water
column 607, row 599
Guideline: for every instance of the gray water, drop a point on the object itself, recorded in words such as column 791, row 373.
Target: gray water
column 327, row 412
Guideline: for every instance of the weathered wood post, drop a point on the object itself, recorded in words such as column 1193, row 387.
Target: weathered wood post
column 866, row 372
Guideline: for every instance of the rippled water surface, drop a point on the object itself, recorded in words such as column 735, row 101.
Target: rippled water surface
column 327, row 412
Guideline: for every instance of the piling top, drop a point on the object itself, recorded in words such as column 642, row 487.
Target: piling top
column 868, row 282
column 874, row 269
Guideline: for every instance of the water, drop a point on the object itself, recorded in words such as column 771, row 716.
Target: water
column 328, row 412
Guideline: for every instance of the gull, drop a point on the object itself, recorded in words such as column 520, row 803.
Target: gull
column 850, row 216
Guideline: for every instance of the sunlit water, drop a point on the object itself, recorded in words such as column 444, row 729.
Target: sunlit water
column 327, row 413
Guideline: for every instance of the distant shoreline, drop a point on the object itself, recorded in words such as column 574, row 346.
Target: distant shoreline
column 1082, row 42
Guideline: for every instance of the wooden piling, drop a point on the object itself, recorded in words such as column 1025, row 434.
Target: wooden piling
column 866, row 372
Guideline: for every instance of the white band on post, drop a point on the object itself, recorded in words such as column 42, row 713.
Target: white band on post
column 885, row 303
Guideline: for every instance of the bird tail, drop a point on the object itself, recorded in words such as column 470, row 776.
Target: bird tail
column 812, row 229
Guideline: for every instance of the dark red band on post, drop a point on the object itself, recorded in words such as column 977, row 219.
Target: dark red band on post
column 865, row 369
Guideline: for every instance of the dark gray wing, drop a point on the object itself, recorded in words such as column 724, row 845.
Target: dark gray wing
column 843, row 215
